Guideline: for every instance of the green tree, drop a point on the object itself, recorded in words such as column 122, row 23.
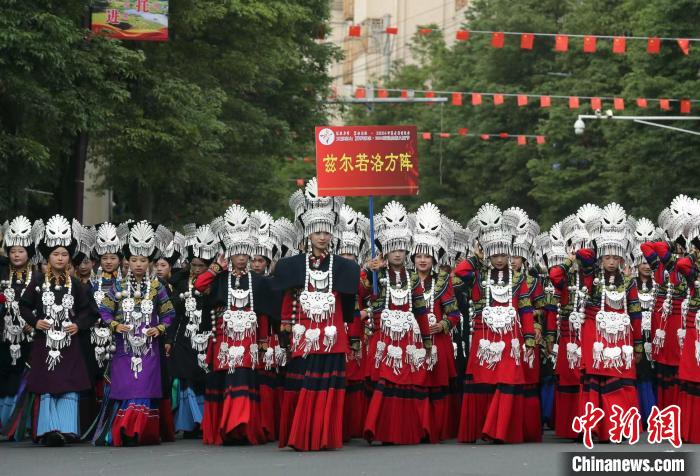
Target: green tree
column 639, row 167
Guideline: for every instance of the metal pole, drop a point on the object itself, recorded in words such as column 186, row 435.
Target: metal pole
column 375, row 286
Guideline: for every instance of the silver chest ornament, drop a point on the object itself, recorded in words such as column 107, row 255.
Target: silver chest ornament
column 13, row 332
column 58, row 317
column 239, row 324
column 318, row 305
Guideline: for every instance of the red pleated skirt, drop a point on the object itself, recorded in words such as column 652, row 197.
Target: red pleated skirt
column 532, row 419
column 689, row 403
column 493, row 412
column 232, row 409
column 667, row 385
column 398, row 414
column 137, row 423
column 604, row 392
column 269, row 405
column 312, row 410
column 566, row 408
column 355, row 409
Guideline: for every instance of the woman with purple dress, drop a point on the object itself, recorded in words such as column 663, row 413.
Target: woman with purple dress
column 138, row 310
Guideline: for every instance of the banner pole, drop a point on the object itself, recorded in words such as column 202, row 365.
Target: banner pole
column 375, row 287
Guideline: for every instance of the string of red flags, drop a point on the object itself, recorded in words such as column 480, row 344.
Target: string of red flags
column 479, row 98
column 560, row 41
column 521, row 139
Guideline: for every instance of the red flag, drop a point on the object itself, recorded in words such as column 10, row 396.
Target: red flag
column 596, row 103
column 354, row 30
column 429, row 94
column 540, row 140
column 653, row 45
column 497, row 99
column 484, row 137
column 444, row 135
column 561, row 43
column 642, row 102
column 463, row 131
column 619, row 45
column 545, row 101
column 425, row 31
column 300, row 182
column 522, row 100
column 522, row 140
column 497, row 39
column 360, row 93
column 456, row 99
column 527, row 40
column 427, row 136
column 685, row 46
column 392, row 30
column 685, row 106
column 664, row 104
column 503, row 135
column 589, row 43
column 476, row 99
column 462, row 35
column 573, row 102
column 619, row 104
column 382, row 93
column 404, row 93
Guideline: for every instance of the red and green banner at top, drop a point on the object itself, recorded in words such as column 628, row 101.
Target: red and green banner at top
column 459, row 98
column 560, row 41
column 142, row 20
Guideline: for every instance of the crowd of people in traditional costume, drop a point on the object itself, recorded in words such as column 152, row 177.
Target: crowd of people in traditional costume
column 250, row 329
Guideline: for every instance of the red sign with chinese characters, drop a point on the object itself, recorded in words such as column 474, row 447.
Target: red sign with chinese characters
column 366, row 160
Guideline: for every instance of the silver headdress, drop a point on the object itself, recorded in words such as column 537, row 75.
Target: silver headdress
column 525, row 232
column 447, row 238
column 644, row 230
column 288, row 237
column 110, row 239
column 313, row 213
column 462, row 240
column 21, row 232
column 236, row 229
column 58, row 232
column 141, row 240
column 268, row 241
column 427, row 236
column 393, row 229
column 495, row 235
column 556, row 254
column 202, row 240
column 674, row 221
column 351, row 237
column 85, row 239
column 612, row 239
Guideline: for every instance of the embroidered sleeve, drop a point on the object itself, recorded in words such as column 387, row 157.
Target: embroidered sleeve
column 634, row 309
column 166, row 311
column 108, row 307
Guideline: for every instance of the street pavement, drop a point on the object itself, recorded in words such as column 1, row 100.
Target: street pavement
column 192, row 458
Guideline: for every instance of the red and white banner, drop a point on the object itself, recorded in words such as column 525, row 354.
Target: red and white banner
column 366, row 160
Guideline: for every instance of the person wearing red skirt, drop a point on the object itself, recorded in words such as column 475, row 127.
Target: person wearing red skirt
column 320, row 294
column 667, row 314
column 493, row 406
column 399, row 410
column 430, row 243
column 523, row 256
column 611, row 335
column 232, row 413
column 350, row 244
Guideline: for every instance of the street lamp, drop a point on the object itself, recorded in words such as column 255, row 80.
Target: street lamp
column 580, row 125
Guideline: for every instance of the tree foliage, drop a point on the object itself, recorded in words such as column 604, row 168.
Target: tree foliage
column 640, row 167
column 178, row 129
